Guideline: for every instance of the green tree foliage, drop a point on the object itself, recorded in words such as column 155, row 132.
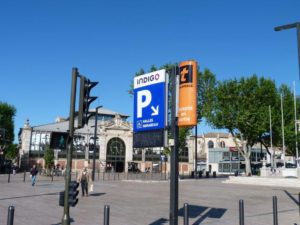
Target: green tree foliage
column 241, row 107
column 49, row 157
column 11, row 151
column 7, row 114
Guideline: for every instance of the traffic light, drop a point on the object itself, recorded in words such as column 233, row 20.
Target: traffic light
column 73, row 193
column 58, row 140
column 85, row 100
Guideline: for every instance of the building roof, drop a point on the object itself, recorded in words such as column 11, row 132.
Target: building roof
column 62, row 125
column 214, row 135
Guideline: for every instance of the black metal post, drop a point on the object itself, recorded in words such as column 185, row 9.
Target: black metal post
column 173, row 217
column 186, row 214
column 66, row 215
column 8, row 180
column 275, row 211
column 241, row 212
column 298, row 40
column 95, row 137
column 10, row 215
column 106, row 215
column 24, row 178
column 299, row 202
column 196, row 149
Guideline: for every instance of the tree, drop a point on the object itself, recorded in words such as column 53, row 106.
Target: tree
column 7, row 114
column 11, row 151
column 241, row 107
column 49, row 158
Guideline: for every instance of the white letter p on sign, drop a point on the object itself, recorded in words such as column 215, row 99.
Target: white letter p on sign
column 147, row 97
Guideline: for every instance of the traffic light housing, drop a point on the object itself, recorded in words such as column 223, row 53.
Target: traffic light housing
column 73, row 193
column 58, row 140
column 85, row 100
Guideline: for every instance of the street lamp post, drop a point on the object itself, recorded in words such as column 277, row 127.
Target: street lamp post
column 290, row 26
column 286, row 27
column 95, row 137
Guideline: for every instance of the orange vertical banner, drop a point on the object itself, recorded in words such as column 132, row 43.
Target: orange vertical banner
column 187, row 110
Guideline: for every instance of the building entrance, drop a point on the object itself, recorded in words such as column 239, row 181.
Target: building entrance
column 115, row 155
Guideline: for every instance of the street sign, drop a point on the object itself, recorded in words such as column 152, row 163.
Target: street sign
column 187, row 110
column 149, row 101
column 149, row 139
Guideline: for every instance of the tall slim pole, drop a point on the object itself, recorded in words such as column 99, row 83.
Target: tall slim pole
column 296, row 132
column 66, row 215
column 95, row 137
column 173, row 217
column 282, row 128
column 271, row 139
column 298, row 40
column 196, row 149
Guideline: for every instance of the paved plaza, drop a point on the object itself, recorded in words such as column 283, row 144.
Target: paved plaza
column 136, row 202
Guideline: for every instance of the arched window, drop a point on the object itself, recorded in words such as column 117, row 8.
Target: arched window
column 210, row 144
column 115, row 158
column 115, row 147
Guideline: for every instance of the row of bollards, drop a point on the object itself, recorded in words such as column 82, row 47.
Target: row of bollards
column 275, row 211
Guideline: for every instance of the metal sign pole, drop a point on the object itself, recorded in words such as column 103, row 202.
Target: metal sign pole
column 66, row 215
column 173, row 217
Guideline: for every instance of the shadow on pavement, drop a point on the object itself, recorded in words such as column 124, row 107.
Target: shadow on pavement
column 71, row 221
column 97, row 194
column 160, row 221
column 292, row 197
column 215, row 213
column 194, row 212
column 30, row 196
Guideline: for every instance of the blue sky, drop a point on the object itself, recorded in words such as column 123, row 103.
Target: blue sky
column 109, row 41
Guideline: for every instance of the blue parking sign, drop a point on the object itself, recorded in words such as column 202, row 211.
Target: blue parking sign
column 149, row 101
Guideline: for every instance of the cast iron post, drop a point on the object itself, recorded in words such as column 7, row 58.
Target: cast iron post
column 174, row 152
column 66, row 215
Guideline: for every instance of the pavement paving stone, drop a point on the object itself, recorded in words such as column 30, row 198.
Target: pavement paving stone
column 135, row 202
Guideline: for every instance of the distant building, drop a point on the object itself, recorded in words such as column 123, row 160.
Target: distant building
column 114, row 151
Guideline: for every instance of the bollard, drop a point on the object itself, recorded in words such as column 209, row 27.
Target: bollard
column 207, row 174
column 275, row 211
column 10, row 215
column 299, row 202
column 98, row 174
column 8, row 177
column 24, row 178
column 214, row 174
column 52, row 177
column 106, row 215
column 186, row 214
column 241, row 212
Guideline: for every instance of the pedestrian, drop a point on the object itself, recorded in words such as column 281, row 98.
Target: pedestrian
column 33, row 173
column 84, row 178
column 14, row 168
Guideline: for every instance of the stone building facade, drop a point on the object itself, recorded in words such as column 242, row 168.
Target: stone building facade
column 114, row 151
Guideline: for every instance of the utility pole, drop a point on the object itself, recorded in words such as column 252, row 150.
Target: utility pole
column 282, row 127
column 173, row 217
column 95, row 138
column 296, row 132
column 66, row 215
